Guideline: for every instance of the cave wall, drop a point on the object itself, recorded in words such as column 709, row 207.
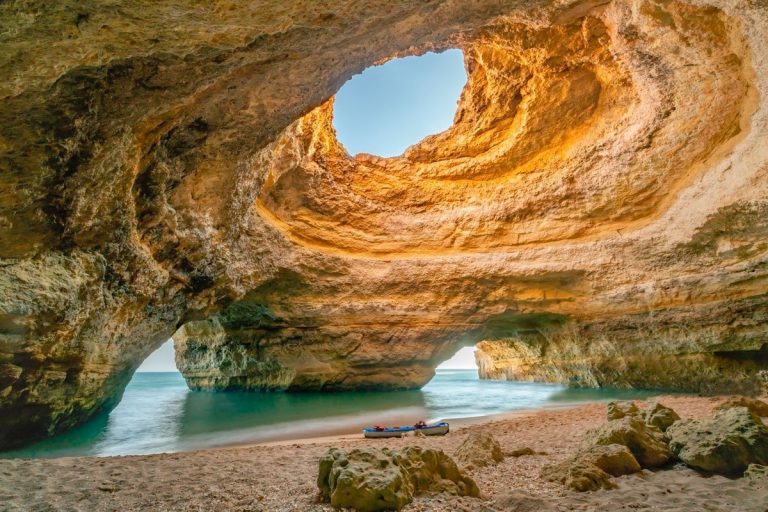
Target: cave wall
column 171, row 167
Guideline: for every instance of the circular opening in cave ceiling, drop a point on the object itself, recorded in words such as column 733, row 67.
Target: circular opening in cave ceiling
column 388, row 108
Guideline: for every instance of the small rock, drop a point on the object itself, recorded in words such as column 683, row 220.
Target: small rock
column 618, row 410
column 578, row 476
column 614, row 459
column 520, row 452
column 592, row 468
column 479, row 449
column 660, row 416
column 726, row 444
column 755, row 406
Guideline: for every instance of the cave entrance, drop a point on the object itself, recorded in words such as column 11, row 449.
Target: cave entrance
column 161, row 360
column 388, row 108
column 463, row 359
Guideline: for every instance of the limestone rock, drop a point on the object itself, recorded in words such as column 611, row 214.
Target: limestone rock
column 755, row 406
column 646, row 443
column 364, row 479
column 372, row 479
column 659, row 416
column 725, row 444
column 591, row 469
column 578, row 476
column 433, row 470
column 618, row 410
column 614, row 459
column 582, row 217
column 479, row 449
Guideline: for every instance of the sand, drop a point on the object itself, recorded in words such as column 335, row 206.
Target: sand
column 280, row 476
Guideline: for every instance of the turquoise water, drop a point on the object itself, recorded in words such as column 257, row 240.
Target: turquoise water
column 159, row 413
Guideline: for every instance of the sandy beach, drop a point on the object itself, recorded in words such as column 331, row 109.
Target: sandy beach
column 280, row 476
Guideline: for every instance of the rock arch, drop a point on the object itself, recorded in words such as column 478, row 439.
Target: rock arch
column 605, row 179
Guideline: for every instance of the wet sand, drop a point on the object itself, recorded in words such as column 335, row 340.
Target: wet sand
column 280, row 476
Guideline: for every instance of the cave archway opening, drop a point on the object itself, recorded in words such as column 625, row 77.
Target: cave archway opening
column 463, row 359
column 392, row 106
column 161, row 360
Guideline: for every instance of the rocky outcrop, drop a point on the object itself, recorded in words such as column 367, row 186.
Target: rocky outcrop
column 372, row 479
column 654, row 414
column 647, row 444
column 582, row 216
column 755, row 406
column 726, row 444
column 478, row 450
column 591, row 468
column 630, row 441
column 660, row 416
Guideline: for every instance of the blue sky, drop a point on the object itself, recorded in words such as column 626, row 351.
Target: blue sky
column 382, row 111
column 387, row 108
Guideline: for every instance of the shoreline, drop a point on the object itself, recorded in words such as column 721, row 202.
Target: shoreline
column 281, row 475
column 456, row 425
column 182, row 433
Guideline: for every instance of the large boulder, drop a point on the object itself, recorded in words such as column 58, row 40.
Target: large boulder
column 364, row 479
column 591, row 469
column 755, row 406
column 479, row 449
column 371, row 479
column 647, row 443
column 725, row 444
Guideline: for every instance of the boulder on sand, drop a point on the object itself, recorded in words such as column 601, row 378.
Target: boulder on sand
column 755, row 406
column 660, row 416
column 479, row 449
column 618, row 410
column 631, row 440
column 654, row 414
column 725, row 444
column 591, row 469
column 372, row 479
column 647, row 443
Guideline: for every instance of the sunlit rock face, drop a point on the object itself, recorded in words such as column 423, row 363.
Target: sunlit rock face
column 601, row 200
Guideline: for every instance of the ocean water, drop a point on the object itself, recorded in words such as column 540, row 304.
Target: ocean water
column 159, row 413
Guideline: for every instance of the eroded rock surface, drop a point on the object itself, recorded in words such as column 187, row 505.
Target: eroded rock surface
column 479, row 449
column 597, row 213
column 661, row 417
column 631, row 440
column 647, row 443
column 373, row 479
column 726, row 444
column 755, row 406
column 592, row 467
